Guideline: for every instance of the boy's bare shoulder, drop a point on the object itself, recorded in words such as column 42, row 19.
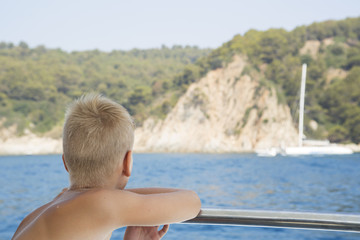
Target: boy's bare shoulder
column 93, row 204
column 103, row 198
column 72, row 208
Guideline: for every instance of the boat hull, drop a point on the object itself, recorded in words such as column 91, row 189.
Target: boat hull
column 317, row 150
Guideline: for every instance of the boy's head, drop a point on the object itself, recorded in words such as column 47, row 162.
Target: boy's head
column 97, row 134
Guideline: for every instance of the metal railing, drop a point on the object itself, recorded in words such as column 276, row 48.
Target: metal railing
column 299, row 220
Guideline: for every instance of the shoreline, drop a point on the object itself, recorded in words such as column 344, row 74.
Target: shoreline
column 31, row 144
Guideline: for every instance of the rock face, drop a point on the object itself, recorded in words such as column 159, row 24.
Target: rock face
column 27, row 144
column 225, row 111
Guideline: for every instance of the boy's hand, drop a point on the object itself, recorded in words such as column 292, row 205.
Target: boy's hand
column 145, row 233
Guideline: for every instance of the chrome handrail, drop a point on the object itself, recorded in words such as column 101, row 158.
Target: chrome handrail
column 280, row 219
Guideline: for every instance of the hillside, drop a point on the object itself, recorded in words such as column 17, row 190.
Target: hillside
column 36, row 84
column 332, row 51
column 240, row 96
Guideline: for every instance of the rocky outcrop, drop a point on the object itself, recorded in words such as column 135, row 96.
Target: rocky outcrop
column 311, row 47
column 225, row 111
column 27, row 144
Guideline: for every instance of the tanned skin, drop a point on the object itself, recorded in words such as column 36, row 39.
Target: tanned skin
column 94, row 213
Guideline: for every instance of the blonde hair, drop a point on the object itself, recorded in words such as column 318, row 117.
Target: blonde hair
column 97, row 134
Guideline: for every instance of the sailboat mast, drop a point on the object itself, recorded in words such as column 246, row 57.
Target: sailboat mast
column 302, row 102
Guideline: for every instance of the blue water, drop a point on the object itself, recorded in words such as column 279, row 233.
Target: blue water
column 240, row 181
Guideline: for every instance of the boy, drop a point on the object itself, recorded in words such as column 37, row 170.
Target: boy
column 98, row 138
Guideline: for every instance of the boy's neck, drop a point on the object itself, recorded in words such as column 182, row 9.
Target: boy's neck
column 111, row 183
column 105, row 186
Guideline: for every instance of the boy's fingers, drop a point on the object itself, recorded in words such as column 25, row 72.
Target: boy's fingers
column 163, row 230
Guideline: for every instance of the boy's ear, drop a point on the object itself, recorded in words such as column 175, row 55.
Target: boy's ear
column 64, row 163
column 127, row 164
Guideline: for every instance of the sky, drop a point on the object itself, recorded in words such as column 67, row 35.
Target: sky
column 76, row 25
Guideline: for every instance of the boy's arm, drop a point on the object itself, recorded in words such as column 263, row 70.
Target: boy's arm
column 132, row 209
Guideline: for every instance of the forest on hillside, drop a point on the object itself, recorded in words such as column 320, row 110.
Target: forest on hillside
column 274, row 57
column 35, row 84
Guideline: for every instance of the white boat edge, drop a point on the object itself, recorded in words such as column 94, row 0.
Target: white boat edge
column 317, row 150
column 331, row 149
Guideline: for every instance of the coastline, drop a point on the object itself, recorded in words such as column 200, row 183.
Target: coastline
column 30, row 144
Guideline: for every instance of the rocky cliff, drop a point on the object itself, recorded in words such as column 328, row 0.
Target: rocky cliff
column 27, row 144
column 226, row 111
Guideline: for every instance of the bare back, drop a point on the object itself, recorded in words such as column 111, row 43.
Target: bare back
column 93, row 214
column 69, row 216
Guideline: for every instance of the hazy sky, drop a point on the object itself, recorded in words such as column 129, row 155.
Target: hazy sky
column 110, row 24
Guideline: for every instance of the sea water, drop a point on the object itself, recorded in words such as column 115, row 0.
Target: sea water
column 231, row 181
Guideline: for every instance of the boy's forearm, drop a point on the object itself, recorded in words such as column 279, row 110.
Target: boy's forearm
column 158, row 206
column 152, row 190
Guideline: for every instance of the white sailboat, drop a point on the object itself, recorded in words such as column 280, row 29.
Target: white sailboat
column 313, row 149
